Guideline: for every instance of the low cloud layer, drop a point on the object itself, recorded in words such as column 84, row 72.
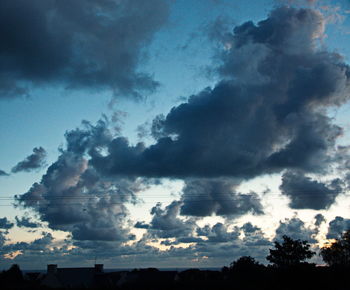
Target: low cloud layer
column 93, row 44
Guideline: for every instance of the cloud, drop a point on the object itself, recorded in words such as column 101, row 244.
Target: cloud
column 141, row 225
column 31, row 162
column 296, row 229
column 26, row 222
column 3, row 173
column 319, row 219
column 73, row 197
column 5, row 224
column 166, row 223
column 337, row 227
column 218, row 233
column 2, row 239
column 205, row 197
column 254, row 237
column 267, row 114
column 39, row 244
column 298, row 2
column 93, row 44
column 222, row 239
column 305, row 192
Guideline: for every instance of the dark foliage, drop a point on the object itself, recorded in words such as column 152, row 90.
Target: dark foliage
column 338, row 253
column 245, row 263
column 290, row 252
column 12, row 277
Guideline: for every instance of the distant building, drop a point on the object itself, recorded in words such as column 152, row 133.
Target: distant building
column 72, row 277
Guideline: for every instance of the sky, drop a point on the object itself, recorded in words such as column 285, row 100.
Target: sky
column 171, row 133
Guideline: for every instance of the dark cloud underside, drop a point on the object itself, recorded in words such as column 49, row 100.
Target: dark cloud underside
column 305, row 192
column 77, row 44
column 5, row 223
column 205, row 197
column 267, row 114
column 337, row 227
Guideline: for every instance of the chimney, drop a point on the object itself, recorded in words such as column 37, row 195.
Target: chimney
column 98, row 268
column 51, row 269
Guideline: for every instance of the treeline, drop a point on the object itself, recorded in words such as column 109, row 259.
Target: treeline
column 288, row 268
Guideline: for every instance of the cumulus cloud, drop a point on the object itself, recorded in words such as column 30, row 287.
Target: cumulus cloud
column 5, row 224
column 93, row 44
column 218, row 233
column 296, row 229
column 305, row 192
column 166, row 223
column 73, row 197
column 34, row 161
column 250, row 124
column 205, row 197
column 337, row 227
column 254, row 237
column 220, row 239
column 319, row 219
column 26, row 222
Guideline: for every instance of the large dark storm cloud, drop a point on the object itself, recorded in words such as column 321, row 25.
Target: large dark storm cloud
column 36, row 160
column 305, row 192
column 267, row 114
column 77, row 44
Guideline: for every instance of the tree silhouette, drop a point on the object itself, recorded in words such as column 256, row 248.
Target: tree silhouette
column 338, row 253
column 245, row 263
column 290, row 252
column 11, row 278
